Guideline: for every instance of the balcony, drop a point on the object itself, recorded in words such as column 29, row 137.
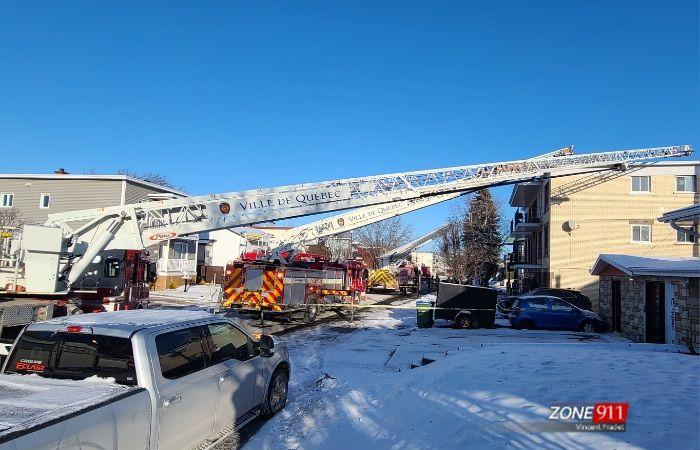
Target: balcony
column 525, row 193
column 525, row 258
column 523, row 225
column 176, row 266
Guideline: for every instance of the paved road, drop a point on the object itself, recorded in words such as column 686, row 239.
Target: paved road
column 269, row 325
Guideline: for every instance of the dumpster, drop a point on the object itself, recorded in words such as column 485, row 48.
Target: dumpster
column 424, row 313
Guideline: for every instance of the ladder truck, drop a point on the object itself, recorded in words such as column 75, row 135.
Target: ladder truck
column 396, row 272
column 51, row 261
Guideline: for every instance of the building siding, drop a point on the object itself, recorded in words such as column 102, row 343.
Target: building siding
column 135, row 193
column 66, row 195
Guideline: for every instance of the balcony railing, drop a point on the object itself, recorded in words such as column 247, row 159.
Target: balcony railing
column 525, row 219
column 525, row 255
column 166, row 266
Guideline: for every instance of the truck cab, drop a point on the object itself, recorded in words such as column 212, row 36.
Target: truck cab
column 191, row 377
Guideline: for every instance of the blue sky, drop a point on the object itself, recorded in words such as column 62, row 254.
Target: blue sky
column 222, row 96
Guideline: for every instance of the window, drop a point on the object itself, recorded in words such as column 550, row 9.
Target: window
column 685, row 183
column 112, row 267
column 7, row 199
column 685, row 237
column 44, row 200
column 227, row 342
column 641, row 184
column 560, row 305
column 539, row 303
column 74, row 355
column 181, row 352
column 180, row 250
column 641, row 233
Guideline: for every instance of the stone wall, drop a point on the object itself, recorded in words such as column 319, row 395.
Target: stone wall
column 633, row 321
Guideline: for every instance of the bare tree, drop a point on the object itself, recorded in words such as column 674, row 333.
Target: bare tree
column 10, row 217
column 379, row 237
column 150, row 177
column 451, row 244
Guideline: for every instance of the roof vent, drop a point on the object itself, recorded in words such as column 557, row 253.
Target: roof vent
column 60, row 171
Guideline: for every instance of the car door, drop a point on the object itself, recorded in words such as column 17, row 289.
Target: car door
column 186, row 386
column 563, row 314
column 538, row 308
column 238, row 373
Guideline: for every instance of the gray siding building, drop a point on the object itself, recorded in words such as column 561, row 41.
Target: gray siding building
column 35, row 196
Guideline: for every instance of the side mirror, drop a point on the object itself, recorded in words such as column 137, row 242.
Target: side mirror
column 267, row 344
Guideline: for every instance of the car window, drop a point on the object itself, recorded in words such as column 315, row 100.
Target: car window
column 560, row 306
column 181, row 352
column 539, row 303
column 74, row 355
column 566, row 295
column 227, row 342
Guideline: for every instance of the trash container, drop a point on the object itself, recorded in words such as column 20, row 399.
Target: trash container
column 424, row 313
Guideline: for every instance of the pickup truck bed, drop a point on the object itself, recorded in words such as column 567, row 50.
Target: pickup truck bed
column 34, row 411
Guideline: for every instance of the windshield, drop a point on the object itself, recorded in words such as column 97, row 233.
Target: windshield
column 73, row 355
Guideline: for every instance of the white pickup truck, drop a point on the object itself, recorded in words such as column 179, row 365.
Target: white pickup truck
column 144, row 379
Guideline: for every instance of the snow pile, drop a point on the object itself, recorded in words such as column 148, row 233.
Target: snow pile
column 26, row 400
column 200, row 294
column 353, row 386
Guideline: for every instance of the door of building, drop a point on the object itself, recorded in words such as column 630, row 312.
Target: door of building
column 616, row 306
column 655, row 312
column 669, row 314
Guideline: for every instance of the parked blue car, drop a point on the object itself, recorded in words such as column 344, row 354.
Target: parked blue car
column 551, row 313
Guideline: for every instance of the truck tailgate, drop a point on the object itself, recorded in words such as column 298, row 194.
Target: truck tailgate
column 38, row 413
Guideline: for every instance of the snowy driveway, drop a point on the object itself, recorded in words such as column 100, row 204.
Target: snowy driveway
column 353, row 387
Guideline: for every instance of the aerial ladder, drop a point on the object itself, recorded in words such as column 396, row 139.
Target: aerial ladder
column 404, row 250
column 395, row 271
column 57, row 255
column 285, row 244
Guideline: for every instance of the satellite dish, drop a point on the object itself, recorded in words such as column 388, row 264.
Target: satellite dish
column 570, row 225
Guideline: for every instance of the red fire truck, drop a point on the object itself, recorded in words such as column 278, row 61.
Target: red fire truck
column 302, row 286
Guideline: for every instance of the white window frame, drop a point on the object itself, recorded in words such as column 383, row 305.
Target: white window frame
column 640, row 233
column 633, row 192
column 41, row 200
column 692, row 191
column 3, row 195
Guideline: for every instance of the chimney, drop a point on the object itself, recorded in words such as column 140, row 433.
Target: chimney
column 60, row 171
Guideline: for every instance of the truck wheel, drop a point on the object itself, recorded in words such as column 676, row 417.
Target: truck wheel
column 464, row 321
column 72, row 310
column 276, row 393
column 311, row 312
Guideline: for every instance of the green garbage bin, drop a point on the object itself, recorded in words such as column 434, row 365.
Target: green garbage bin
column 424, row 313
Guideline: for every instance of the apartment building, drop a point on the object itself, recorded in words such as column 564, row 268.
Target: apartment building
column 562, row 225
column 35, row 196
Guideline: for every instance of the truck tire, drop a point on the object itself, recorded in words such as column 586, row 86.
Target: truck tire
column 464, row 321
column 72, row 310
column 276, row 397
column 311, row 313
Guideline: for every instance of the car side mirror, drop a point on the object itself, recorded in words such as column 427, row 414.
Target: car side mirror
column 267, row 344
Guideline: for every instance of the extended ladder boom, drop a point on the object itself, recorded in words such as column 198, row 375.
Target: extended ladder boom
column 137, row 226
column 360, row 217
column 407, row 248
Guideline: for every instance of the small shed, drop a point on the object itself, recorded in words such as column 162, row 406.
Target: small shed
column 650, row 298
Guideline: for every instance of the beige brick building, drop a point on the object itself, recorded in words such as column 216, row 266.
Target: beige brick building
column 563, row 224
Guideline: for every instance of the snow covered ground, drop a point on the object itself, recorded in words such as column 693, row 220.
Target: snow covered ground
column 353, row 387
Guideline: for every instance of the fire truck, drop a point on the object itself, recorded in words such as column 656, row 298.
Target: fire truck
column 301, row 287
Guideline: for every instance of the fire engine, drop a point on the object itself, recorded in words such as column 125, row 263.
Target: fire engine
column 301, row 286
